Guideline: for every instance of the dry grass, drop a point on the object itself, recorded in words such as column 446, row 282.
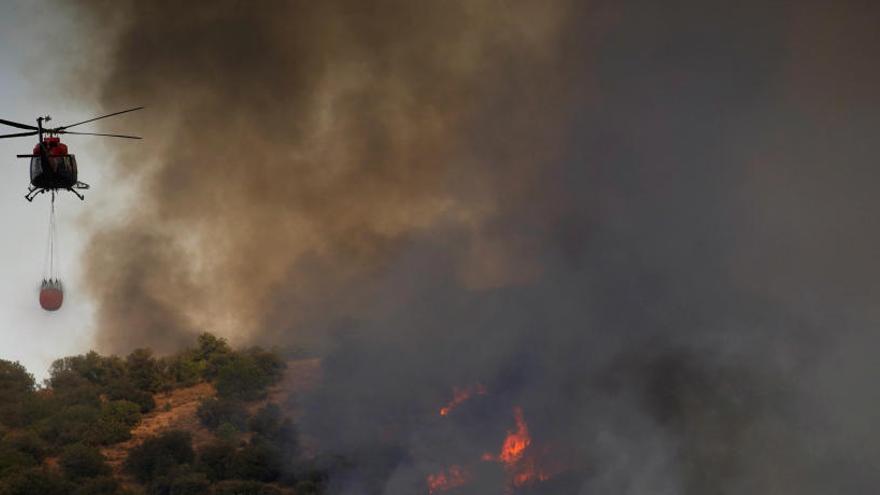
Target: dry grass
column 176, row 410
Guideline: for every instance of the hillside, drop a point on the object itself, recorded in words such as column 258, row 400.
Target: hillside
column 207, row 420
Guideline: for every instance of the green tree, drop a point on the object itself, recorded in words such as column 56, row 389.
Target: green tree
column 28, row 442
column 214, row 352
column 246, row 377
column 16, row 385
column 80, row 461
column 213, row 412
column 143, row 370
column 91, row 366
column 242, row 487
column 34, row 481
column 159, row 455
column 259, row 461
column 101, row 485
column 217, row 460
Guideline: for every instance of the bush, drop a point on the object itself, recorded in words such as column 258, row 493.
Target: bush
column 217, row 460
column 180, row 481
column 28, row 442
column 102, row 485
column 214, row 412
column 91, row 367
column 125, row 390
column 244, row 378
column 15, row 385
column 74, row 424
column 159, row 455
column 12, row 460
column 259, row 461
column 121, row 411
column 184, row 369
column 79, row 461
column 214, row 352
column 143, row 370
column 69, row 388
column 240, row 487
column 36, row 481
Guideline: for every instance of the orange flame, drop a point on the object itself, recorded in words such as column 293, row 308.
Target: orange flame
column 520, row 461
column 460, row 395
column 453, row 477
column 515, row 444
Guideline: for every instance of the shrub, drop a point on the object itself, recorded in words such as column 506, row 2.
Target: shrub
column 241, row 487
column 143, row 370
column 74, row 424
column 92, row 367
column 35, row 481
column 12, row 460
column 243, row 378
column 217, row 460
column 79, row 461
column 213, row 412
column 122, row 411
column 214, row 352
column 15, row 385
column 159, row 455
column 126, row 390
column 28, row 442
column 180, row 481
column 101, row 485
column 260, row 461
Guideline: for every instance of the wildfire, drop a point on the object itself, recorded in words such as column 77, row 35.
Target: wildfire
column 524, row 463
column 460, row 395
column 453, row 477
column 515, row 444
column 520, row 461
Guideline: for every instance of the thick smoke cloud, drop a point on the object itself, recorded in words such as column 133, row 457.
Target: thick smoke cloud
column 649, row 225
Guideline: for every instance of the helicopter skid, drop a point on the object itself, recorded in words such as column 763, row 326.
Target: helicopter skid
column 33, row 192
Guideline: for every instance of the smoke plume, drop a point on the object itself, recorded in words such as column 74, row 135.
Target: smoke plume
column 647, row 224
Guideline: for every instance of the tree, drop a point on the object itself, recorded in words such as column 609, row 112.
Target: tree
column 246, row 377
column 180, row 481
column 241, row 487
column 16, row 384
column 28, row 442
column 80, row 461
column 34, row 481
column 214, row 412
column 91, row 366
column 159, row 455
column 217, row 460
column 259, row 461
column 214, row 352
column 101, row 485
column 143, row 370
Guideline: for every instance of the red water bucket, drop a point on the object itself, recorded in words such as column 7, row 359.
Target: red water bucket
column 51, row 295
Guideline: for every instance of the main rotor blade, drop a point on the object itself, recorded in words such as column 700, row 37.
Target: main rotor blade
column 19, row 125
column 96, row 118
column 99, row 134
column 20, row 134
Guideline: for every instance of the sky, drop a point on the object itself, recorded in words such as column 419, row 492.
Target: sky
column 30, row 88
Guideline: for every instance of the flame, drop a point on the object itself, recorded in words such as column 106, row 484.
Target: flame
column 518, row 456
column 453, row 477
column 524, row 463
column 460, row 395
column 515, row 444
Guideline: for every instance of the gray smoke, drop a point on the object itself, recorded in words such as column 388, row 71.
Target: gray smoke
column 650, row 225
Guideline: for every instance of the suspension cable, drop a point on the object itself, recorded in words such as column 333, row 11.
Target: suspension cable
column 49, row 267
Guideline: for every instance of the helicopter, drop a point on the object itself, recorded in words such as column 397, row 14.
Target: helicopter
column 52, row 167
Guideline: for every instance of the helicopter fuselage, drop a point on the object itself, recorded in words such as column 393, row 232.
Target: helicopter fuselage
column 52, row 167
